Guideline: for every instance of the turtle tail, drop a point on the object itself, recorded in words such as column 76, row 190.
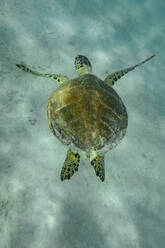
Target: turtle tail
column 98, row 165
column 70, row 166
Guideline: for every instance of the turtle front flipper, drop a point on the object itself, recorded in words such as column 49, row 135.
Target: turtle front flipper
column 82, row 65
column 112, row 78
column 70, row 166
column 98, row 164
column 60, row 78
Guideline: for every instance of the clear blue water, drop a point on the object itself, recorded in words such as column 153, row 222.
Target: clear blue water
column 36, row 208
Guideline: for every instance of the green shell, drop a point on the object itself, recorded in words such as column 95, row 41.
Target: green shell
column 87, row 114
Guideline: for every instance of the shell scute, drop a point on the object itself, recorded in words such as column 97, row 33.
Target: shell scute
column 87, row 113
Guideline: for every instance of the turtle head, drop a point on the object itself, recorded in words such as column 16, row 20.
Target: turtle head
column 82, row 65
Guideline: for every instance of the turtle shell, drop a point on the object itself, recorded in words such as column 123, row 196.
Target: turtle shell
column 87, row 114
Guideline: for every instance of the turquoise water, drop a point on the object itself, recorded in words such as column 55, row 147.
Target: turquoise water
column 36, row 208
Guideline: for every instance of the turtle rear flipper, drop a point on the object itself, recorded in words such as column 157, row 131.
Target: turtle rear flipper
column 98, row 165
column 70, row 166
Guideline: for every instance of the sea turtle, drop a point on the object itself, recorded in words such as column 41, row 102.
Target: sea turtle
column 86, row 114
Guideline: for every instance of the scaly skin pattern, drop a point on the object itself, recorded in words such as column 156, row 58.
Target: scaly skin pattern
column 98, row 165
column 112, row 78
column 60, row 78
column 70, row 166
